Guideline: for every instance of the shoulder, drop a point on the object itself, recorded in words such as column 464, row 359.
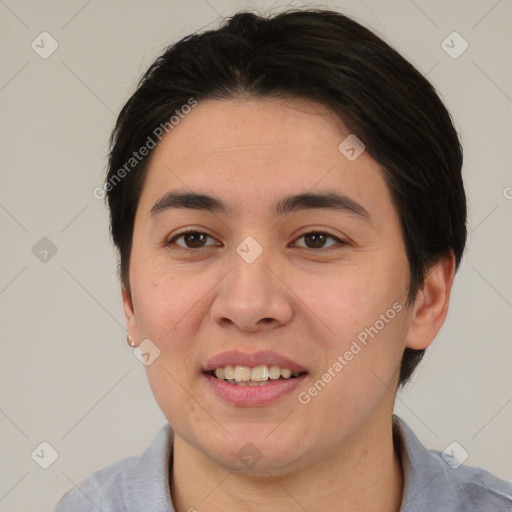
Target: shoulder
column 127, row 484
column 435, row 480
column 477, row 489
column 101, row 490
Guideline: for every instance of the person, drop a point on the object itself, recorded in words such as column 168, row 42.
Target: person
column 286, row 197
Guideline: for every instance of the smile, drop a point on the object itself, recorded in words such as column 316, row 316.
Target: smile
column 252, row 393
column 255, row 376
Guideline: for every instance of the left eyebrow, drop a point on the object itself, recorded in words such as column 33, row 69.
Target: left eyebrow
column 320, row 201
column 306, row 201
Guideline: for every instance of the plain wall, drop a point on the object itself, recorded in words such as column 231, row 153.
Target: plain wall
column 68, row 376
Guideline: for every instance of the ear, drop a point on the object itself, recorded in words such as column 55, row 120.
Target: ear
column 431, row 304
column 129, row 314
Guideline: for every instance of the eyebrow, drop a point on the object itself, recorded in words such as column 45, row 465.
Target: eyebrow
column 306, row 201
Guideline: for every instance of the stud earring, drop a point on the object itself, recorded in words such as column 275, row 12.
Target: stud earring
column 129, row 340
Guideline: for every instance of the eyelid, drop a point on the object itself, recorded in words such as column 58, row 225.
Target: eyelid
column 340, row 241
column 180, row 234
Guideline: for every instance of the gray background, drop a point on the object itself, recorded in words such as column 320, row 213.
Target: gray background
column 68, row 376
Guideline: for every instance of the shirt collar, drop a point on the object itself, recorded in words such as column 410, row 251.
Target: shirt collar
column 422, row 472
column 426, row 478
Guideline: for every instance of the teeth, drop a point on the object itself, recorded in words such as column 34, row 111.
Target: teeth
column 259, row 373
column 274, row 372
column 285, row 373
column 257, row 376
column 242, row 373
column 250, row 383
column 229, row 372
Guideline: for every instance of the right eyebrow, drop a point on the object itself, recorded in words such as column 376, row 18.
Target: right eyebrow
column 189, row 200
column 329, row 200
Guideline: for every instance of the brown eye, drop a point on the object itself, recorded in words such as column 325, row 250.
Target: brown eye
column 317, row 239
column 191, row 240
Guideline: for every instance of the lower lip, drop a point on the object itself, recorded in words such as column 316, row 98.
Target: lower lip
column 253, row 396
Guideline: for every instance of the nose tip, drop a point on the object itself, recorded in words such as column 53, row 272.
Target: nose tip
column 250, row 326
column 251, row 301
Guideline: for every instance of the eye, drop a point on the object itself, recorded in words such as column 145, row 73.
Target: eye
column 316, row 239
column 193, row 240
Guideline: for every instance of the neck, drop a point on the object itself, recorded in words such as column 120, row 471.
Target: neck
column 365, row 474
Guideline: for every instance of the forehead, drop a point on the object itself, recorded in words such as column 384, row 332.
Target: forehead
column 267, row 128
column 256, row 151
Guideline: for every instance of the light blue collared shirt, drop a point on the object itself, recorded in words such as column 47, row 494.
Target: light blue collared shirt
column 141, row 483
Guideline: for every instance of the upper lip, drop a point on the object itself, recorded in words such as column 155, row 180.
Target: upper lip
column 252, row 359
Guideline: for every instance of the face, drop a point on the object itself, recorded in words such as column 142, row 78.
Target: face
column 318, row 287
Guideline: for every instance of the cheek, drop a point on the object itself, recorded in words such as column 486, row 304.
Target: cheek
column 169, row 308
column 365, row 312
column 352, row 299
column 165, row 302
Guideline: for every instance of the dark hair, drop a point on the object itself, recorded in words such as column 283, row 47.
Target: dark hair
column 329, row 58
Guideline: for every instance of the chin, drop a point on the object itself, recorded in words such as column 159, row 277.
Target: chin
column 253, row 449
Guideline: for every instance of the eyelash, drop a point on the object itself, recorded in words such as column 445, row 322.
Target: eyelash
column 189, row 250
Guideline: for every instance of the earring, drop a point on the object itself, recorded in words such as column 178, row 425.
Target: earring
column 129, row 340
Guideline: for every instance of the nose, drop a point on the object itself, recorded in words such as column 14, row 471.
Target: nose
column 252, row 296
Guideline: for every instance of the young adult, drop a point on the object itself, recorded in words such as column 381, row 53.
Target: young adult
column 286, row 197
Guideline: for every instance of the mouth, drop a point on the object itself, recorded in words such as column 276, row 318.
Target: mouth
column 261, row 375
column 252, row 379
